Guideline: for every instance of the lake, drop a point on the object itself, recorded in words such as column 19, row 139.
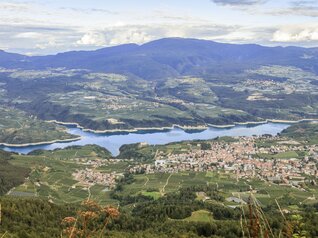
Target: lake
column 113, row 142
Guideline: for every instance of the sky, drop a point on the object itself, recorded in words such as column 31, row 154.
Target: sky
column 39, row 27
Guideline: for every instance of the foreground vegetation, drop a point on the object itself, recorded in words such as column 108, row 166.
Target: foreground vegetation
column 178, row 215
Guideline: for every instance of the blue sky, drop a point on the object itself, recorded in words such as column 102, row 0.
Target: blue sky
column 49, row 26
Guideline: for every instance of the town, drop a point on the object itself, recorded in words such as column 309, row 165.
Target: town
column 272, row 159
column 245, row 159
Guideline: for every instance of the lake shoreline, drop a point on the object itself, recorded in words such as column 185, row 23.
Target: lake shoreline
column 200, row 127
column 114, row 141
column 147, row 129
column 40, row 143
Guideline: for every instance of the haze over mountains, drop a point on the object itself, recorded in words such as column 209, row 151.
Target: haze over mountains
column 170, row 57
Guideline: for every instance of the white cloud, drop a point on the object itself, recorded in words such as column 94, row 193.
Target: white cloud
column 49, row 44
column 237, row 36
column 7, row 6
column 130, row 36
column 92, row 39
column 238, row 2
column 33, row 39
column 48, row 40
column 309, row 11
column 89, row 10
column 41, row 27
column 296, row 35
column 29, row 35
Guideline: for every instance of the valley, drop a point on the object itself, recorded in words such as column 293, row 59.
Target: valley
column 159, row 119
column 174, row 142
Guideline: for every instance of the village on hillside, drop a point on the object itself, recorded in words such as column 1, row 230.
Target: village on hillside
column 278, row 163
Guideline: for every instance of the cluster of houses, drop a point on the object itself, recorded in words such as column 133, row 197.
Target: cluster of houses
column 115, row 103
column 274, row 86
column 89, row 177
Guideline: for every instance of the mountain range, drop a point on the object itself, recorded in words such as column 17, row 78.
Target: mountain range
column 170, row 57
